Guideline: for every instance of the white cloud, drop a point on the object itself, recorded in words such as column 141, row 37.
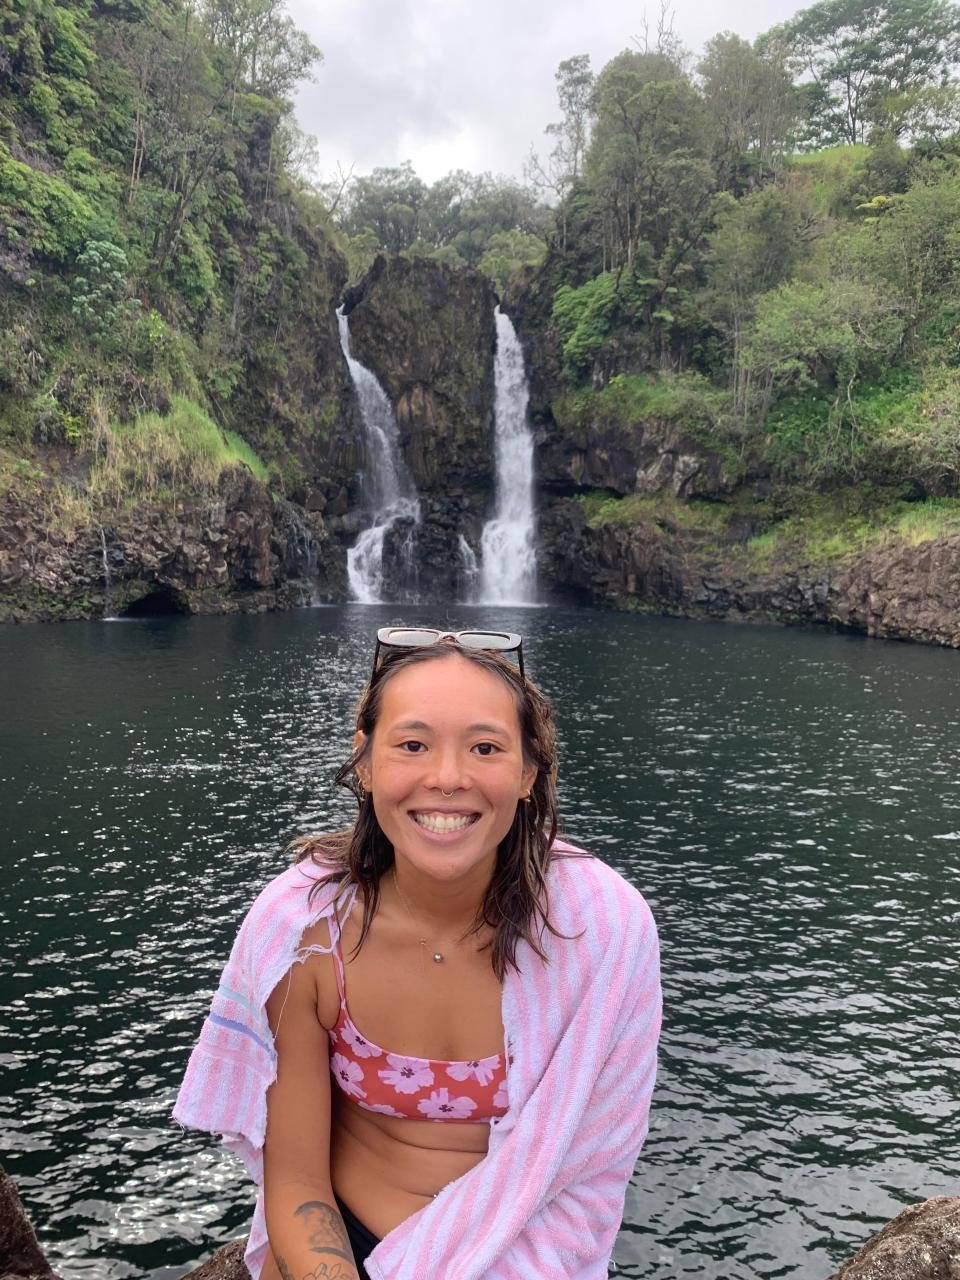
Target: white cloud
column 453, row 84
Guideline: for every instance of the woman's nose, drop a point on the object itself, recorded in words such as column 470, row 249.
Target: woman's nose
column 451, row 773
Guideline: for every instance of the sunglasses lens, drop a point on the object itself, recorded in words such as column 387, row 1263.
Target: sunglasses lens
column 408, row 636
column 487, row 640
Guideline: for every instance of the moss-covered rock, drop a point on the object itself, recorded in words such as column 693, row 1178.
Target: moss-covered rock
column 293, row 399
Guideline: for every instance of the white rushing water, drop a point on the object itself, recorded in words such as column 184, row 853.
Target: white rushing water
column 391, row 493
column 507, row 552
column 108, row 614
column 469, row 569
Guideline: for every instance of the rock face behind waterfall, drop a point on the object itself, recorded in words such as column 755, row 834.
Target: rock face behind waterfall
column 427, row 332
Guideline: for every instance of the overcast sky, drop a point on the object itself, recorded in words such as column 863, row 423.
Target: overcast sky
column 469, row 84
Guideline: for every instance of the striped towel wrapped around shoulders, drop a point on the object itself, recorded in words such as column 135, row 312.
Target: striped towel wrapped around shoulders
column 546, row 1201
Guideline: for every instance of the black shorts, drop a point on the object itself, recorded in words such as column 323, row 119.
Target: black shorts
column 362, row 1240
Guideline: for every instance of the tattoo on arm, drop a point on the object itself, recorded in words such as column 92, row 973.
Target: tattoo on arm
column 324, row 1271
column 323, row 1222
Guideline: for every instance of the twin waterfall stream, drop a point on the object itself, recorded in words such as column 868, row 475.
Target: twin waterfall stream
column 389, row 491
column 508, row 561
column 505, row 571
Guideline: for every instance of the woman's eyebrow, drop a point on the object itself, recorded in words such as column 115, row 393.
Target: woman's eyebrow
column 422, row 726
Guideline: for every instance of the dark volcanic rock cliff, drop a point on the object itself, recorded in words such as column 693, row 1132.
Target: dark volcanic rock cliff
column 237, row 550
column 893, row 591
column 628, row 457
column 427, row 331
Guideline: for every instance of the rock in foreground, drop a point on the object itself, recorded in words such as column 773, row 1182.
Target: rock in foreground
column 921, row 1243
column 20, row 1255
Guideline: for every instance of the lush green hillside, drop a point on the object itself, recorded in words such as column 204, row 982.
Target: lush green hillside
column 155, row 242
column 751, row 258
column 761, row 248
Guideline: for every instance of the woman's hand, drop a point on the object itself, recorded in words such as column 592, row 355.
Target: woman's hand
column 306, row 1231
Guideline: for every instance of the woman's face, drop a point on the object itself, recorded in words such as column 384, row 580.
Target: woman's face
column 446, row 725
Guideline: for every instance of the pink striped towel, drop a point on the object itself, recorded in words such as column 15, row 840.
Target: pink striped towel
column 546, row 1201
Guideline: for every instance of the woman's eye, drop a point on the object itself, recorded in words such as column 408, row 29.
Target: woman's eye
column 486, row 748
column 412, row 747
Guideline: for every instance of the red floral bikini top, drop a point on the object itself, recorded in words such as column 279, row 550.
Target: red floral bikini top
column 415, row 1088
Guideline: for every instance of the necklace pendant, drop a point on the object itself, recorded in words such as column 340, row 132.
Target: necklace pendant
column 437, row 957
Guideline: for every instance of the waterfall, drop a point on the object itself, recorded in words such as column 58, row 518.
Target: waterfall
column 508, row 574
column 108, row 614
column 469, row 568
column 391, row 494
column 301, row 561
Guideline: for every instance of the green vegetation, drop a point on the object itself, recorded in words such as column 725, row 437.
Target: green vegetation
column 155, row 458
column 159, row 455
column 495, row 224
column 767, row 251
column 827, row 531
column 763, row 248
column 632, row 398
column 156, row 241
column 663, row 510
column 829, row 534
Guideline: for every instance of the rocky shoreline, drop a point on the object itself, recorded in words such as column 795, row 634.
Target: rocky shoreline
column 239, row 550
column 921, row 1243
column 242, row 550
column 893, row 591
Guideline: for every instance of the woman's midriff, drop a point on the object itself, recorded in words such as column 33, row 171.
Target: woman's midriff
column 385, row 1169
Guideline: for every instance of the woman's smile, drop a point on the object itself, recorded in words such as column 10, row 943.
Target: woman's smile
column 441, row 823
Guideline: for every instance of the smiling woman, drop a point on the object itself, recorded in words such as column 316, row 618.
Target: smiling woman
column 514, row 978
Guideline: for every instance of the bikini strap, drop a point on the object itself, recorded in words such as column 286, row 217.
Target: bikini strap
column 333, row 925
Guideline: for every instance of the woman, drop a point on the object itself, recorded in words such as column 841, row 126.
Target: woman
column 480, row 1107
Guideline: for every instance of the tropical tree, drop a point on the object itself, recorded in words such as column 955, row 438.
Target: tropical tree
column 754, row 246
column 865, row 60
column 647, row 164
column 561, row 170
column 751, row 107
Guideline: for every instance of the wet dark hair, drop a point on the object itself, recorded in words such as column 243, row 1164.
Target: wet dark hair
column 517, row 893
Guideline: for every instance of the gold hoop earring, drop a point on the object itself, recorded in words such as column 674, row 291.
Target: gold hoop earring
column 361, row 789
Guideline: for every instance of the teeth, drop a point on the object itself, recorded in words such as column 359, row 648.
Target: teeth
column 443, row 822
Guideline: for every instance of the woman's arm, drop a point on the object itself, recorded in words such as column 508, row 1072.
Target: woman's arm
column 306, row 1231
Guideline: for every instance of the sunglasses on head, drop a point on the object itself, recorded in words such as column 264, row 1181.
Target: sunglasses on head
column 419, row 637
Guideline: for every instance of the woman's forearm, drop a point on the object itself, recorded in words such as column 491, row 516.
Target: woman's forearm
column 307, row 1235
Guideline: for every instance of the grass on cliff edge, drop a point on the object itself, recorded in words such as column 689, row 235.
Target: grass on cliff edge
column 825, row 535
column 665, row 509
column 155, row 459
column 831, row 530
column 160, row 454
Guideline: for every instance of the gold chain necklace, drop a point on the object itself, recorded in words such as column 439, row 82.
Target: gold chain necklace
column 437, row 955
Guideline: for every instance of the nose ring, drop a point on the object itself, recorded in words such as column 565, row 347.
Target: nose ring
column 448, row 794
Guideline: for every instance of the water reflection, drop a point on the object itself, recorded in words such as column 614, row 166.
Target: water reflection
column 786, row 800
